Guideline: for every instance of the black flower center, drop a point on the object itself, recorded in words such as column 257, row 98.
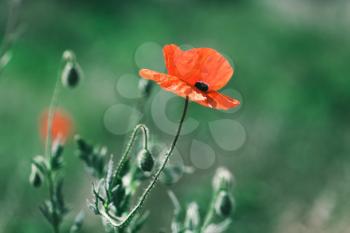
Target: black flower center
column 73, row 77
column 201, row 86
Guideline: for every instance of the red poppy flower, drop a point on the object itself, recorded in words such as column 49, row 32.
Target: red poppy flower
column 197, row 73
column 61, row 125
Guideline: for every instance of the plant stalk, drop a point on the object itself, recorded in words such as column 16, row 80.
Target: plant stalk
column 210, row 214
column 125, row 155
column 144, row 195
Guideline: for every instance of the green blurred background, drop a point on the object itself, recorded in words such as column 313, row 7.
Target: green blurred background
column 291, row 59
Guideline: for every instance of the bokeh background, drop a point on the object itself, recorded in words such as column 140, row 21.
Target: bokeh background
column 290, row 137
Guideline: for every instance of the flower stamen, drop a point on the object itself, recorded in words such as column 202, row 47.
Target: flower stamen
column 201, row 86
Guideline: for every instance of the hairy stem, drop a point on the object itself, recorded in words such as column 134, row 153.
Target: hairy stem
column 48, row 145
column 210, row 214
column 145, row 194
column 125, row 156
column 53, row 104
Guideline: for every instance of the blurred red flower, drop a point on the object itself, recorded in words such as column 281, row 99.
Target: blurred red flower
column 61, row 125
column 197, row 73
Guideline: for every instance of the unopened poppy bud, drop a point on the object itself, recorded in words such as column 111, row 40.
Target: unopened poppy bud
column 145, row 86
column 145, row 160
column 223, row 179
column 224, row 204
column 71, row 74
column 36, row 177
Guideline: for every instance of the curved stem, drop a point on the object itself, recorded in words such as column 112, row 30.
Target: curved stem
column 125, row 156
column 144, row 195
column 210, row 214
column 52, row 107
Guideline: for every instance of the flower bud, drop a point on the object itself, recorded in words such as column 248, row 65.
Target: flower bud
column 71, row 75
column 223, row 179
column 36, row 177
column 224, row 204
column 145, row 160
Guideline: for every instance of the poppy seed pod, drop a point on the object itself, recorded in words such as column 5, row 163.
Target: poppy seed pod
column 224, row 204
column 145, row 160
column 36, row 177
column 71, row 74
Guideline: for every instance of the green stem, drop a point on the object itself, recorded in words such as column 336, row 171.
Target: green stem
column 52, row 107
column 11, row 27
column 210, row 214
column 144, row 195
column 125, row 156
column 51, row 184
column 48, row 145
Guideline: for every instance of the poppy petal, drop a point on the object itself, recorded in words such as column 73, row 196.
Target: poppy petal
column 61, row 125
column 173, row 84
column 215, row 70
column 198, row 65
column 170, row 52
column 219, row 101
